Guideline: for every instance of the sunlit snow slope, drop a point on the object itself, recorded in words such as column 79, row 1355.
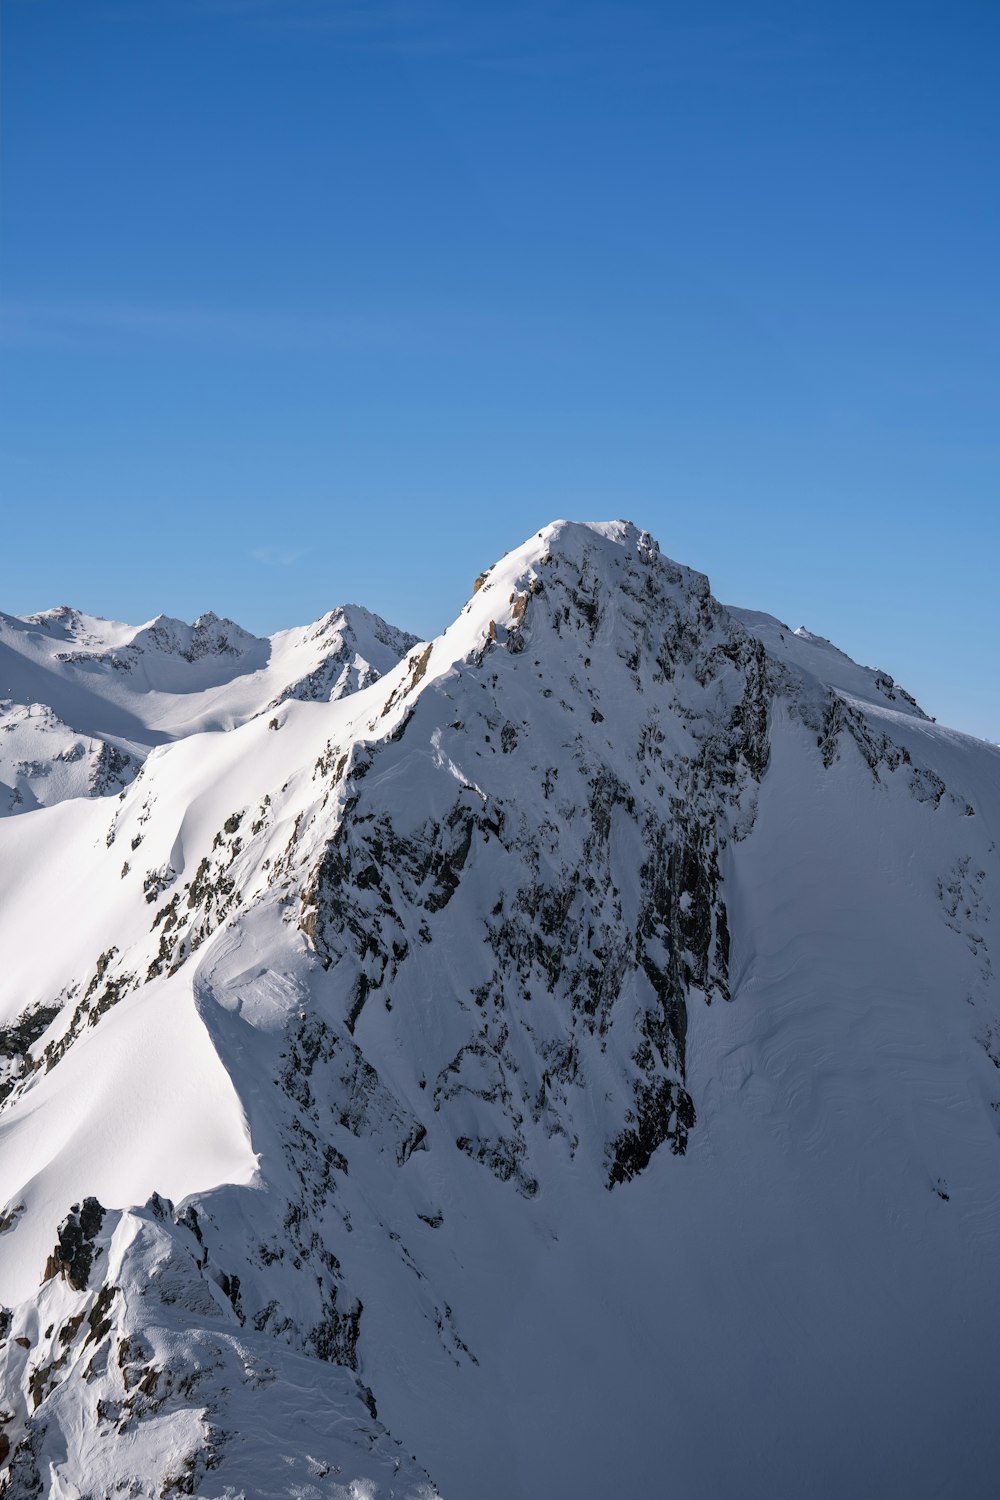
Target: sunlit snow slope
column 83, row 700
column 565, row 1051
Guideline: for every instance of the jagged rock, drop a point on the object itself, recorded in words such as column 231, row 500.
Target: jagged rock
column 539, row 1018
column 73, row 1255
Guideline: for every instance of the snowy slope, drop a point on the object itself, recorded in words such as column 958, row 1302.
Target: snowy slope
column 819, row 661
column 83, row 700
column 577, row 1044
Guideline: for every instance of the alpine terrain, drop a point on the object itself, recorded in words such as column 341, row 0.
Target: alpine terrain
column 560, row 1059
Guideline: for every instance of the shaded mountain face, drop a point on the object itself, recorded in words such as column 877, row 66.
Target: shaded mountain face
column 513, row 1054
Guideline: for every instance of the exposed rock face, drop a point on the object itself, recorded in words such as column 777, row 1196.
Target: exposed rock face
column 451, row 955
column 181, row 1397
column 602, row 866
column 73, row 1256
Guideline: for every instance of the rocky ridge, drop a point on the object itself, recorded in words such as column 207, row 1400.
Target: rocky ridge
column 449, row 936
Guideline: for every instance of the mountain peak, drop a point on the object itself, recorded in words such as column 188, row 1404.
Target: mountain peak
column 447, row 1015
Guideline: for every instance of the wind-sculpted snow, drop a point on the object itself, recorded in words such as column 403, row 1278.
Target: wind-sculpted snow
column 538, row 1041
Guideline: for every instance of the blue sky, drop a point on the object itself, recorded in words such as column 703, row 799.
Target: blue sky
column 307, row 301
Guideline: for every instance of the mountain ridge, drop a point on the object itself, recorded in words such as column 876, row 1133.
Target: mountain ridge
column 547, row 947
column 80, row 721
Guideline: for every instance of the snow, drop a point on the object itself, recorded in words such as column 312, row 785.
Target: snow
column 138, row 687
column 369, row 974
column 818, row 659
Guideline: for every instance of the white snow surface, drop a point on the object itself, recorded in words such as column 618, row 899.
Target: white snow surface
column 72, row 685
column 577, row 1037
column 818, row 659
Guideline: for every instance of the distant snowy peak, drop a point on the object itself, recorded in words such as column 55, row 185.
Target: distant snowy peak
column 64, row 623
column 354, row 648
column 84, row 699
column 69, row 635
column 365, row 628
column 208, row 636
column 96, row 636
column 66, row 635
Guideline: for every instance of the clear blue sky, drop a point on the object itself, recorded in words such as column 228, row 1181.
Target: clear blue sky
column 309, row 301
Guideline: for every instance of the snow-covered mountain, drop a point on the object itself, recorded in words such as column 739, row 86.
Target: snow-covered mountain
column 566, row 1052
column 84, row 700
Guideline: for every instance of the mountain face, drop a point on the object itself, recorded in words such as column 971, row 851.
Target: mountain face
column 565, row 1051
